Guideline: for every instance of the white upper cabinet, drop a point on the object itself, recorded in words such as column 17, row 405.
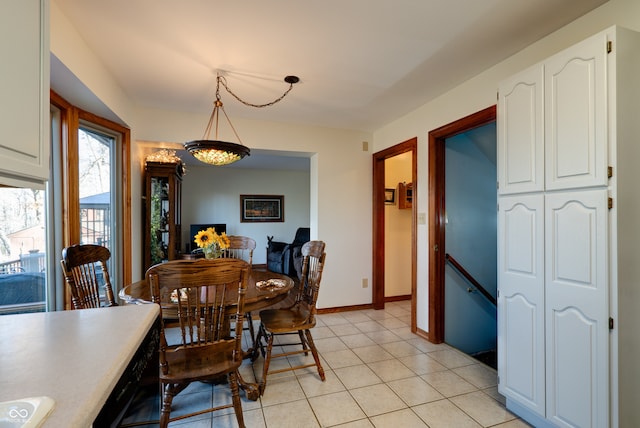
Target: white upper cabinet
column 521, row 133
column 576, row 116
column 24, row 89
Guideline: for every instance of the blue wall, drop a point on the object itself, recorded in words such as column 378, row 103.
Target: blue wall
column 471, row 198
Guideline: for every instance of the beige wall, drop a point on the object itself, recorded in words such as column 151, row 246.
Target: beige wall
column 477, row 94
column 340, row 183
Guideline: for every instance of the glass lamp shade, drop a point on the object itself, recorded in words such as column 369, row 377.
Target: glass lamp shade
column 215, row 152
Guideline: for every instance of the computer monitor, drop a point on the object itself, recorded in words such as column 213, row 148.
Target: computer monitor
column 195, row 228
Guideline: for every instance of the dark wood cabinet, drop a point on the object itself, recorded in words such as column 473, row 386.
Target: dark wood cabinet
column 405, row 195
column 162, row 217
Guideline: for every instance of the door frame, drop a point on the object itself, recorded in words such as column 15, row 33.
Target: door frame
column 436, row 186
column 378, row 235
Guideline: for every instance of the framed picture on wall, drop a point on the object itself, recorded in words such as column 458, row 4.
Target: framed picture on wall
column 390, row 196
column 261, row 208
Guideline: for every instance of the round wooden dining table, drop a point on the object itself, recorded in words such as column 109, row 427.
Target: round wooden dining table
column 255, row 299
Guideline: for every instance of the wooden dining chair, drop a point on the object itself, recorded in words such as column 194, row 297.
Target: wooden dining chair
column 242, row 247
column 85, row 271
column 297, row 320
column 198, row 345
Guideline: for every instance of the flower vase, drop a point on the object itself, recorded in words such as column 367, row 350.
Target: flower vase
column 212, row 252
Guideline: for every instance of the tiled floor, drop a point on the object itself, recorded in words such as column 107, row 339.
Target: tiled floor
column 378, row 374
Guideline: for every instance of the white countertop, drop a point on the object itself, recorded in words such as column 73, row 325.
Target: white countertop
column 74, row 357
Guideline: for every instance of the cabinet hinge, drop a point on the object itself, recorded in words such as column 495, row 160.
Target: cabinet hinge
column 610, row 203
column 609, row 171
column 610, row 323
column 609, row 46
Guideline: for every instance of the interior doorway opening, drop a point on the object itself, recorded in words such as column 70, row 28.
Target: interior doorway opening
column 437, row 214
column 379, row 197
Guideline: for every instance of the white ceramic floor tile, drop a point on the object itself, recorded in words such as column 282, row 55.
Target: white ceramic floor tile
column 482, row 408
column 322, row 332
column 362, row 423
column 355, row 316
column 422, row 363
column 329, row 344
column 377, row 399
column 448, row 383
column 369, row 326
column 452, row 358
column 427, row 384
column 357, row 376
column 343, row 358
column 391, row 323
column 332, row 319
column 414, row 391
column 478, row 375
column 370, row 354
column 403, row 333
column 444, row 414
column 382, row 336
column 337, row 408
column 357, row 341
column 313, row 386
column 400, row 349
column 343, row 330
column 280, row 391
column 400, row 418
column 389, row 370
column 294, row 414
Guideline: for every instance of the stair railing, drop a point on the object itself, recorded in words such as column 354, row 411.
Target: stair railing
column 453, row 262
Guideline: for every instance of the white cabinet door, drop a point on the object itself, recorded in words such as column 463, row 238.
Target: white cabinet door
column 521, row 361
column 521, row 133
column 24, row 89
column 577, row 302
column 576, row 116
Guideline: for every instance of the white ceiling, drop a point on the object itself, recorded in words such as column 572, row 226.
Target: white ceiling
column 361, row 63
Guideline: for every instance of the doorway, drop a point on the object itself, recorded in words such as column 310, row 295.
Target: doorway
column 470, row 242
column 378, row 270
column 437, row 214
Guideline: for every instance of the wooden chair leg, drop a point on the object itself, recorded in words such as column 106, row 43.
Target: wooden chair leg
column 165, row 408
column 314, row 352
column 249, row 319
column 303, row 342
column 267, row 361
column 235, row 395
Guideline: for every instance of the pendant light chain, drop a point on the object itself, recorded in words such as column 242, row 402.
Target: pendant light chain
column 222, row 80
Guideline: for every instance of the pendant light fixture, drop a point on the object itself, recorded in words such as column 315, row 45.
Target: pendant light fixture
column 217, row 152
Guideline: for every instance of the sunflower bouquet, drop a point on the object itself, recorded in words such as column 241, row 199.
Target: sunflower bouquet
column 212, row 243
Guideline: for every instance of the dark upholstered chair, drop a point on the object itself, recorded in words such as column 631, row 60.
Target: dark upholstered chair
column 285, row 257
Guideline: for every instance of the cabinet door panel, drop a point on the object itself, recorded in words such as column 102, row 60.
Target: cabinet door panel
column 576, row 116
column 521, row 133
column 24, row 88
column 576, row 302
column 521, row 362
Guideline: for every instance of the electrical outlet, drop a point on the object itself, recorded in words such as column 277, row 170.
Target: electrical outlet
column 365, row 282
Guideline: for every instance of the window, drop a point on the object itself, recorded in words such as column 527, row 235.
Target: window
column 22, row 250
column 91, row 178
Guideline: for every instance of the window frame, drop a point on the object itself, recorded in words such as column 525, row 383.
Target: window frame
column 71, row 119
